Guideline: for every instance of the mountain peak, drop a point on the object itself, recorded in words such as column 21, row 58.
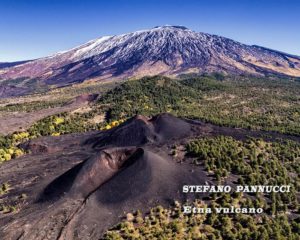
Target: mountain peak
column 171, row 27
column 166, row 50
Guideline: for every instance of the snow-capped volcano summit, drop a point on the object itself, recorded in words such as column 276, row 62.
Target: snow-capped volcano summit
column 167, row 50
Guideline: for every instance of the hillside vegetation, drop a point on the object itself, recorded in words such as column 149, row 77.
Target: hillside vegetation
column 253, row 162
column 268, row 104
column 172, row 223
column 261, row 104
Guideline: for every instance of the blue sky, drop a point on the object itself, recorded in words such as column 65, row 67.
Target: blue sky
column 31, row 29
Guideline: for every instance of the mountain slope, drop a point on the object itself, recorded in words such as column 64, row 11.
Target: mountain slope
column 168, row 50
column 77, row 186
column 11, row 64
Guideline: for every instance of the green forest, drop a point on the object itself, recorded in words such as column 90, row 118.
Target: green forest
column 269, row 104
column 254, row 162
column 172, row 223
column 252, row 103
